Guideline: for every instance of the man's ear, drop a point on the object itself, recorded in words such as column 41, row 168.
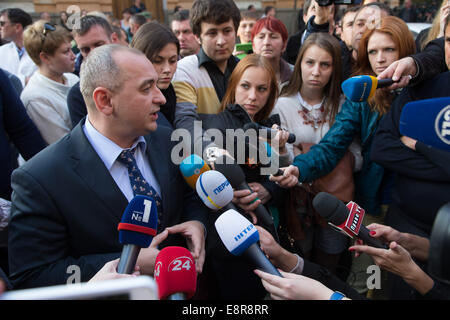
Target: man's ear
column 115, row 38
column 198, row 39
column 102, row 99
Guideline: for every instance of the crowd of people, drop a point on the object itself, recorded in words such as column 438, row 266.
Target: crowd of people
column 88, row 116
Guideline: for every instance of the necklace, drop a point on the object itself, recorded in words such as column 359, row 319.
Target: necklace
column 313, row 117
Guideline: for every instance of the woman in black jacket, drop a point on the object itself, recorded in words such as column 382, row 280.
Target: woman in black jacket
column 250, row 97
column 162, row 48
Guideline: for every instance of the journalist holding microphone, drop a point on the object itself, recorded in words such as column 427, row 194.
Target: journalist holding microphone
column 377, row 49
column 412, row 141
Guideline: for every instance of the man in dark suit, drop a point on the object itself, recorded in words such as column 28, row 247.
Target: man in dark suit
column 68, row 200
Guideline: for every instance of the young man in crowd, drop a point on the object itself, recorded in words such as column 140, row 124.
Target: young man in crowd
column 201, row 80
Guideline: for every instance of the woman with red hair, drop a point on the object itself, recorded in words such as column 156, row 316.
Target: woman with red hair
column 269, row 39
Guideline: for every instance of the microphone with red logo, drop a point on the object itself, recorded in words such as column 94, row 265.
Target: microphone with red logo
column 136, row 230
column 175, row 274
column 345, row 218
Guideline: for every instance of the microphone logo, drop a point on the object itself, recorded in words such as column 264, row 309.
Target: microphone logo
column 442, row 125
column 244, row 232
column 181, row 263
column 221, row 187
column 143, row 216
column 355, row 218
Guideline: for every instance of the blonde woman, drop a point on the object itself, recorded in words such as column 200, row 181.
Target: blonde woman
column 45, row 96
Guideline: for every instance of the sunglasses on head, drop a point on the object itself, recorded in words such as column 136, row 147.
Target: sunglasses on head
column 48, row 27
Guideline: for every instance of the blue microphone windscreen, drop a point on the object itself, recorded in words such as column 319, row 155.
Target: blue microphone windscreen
column 357, row 88
column 139, row 222
column 191, row 165
column 427, row 121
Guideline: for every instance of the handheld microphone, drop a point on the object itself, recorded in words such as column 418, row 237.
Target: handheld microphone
column 270, row 132
column 215, row 190
column 427, row 121
column 362, row 88
column 136, row 230
column 175, row 274
column 191, row 168
column 347, row 219
column 236, row 176
column 240, row 237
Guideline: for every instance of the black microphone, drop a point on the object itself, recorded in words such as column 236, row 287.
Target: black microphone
column 346, row 218
column 256, row 126
column 235, row 175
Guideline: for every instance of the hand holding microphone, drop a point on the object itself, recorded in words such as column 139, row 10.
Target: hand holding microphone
column 347, row 219
column 362, row 88
column 400, row 71
column 288, row 177
column 136, row 230
column 270, row 132
column 241, row 238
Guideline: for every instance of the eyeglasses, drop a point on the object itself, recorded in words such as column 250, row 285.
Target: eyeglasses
column 48, row 27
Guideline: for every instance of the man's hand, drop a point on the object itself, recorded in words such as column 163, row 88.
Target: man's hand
column 194, row 232
column 293, row 287
column 409, row 142
column 109, row 272
column 289, row 178
column 147, row 256
column 401, row 71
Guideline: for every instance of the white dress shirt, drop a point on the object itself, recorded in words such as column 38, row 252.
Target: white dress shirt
column 20, row 67
column 109, row 151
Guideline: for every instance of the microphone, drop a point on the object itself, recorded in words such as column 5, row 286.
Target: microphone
column 215, row 190
column 236, row 176
column 175, row 274
column 427, row 121
column 191, row 168
column 136, row 230
column 362, row 88
column 240, row 237
column 270, row 132
column 347, row 219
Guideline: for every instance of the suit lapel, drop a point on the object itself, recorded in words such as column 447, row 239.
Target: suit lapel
column 88, row 165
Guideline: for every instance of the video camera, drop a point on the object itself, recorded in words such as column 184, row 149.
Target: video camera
column 324, row 3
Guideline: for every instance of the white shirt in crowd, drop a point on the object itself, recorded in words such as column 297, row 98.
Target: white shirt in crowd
column 288, row 108
column 46, row 103
column 9, row 60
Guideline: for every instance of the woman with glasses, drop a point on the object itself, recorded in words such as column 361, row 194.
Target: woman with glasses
column 45, row 96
